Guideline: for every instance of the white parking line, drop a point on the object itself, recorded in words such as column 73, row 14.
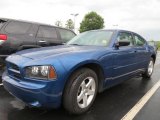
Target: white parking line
column 134, row 111
column 140, row 104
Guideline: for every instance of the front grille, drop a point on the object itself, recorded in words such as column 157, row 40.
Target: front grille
column 14, row 71
column 13, row 66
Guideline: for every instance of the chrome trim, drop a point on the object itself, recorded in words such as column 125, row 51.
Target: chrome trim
column 125, row 74
column 13, row 70
column 125, row 66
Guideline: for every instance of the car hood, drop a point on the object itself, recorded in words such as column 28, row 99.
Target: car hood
column 38, row 53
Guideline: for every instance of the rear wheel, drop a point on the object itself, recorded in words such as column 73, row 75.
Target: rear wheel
column 149, row 70
column 80, row 91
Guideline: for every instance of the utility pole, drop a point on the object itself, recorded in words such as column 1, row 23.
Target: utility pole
column 74, row 15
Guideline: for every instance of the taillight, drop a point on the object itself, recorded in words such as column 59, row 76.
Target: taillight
column 3, row 37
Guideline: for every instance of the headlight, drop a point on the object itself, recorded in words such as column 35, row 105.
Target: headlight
column 40, row 72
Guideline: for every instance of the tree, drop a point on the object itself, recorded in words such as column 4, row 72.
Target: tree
column 69, row 24
column 58, row 23
column 91, row 21
column 158, row 45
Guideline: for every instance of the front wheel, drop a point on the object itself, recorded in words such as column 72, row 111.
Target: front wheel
column 80, row 91
column 149, row 70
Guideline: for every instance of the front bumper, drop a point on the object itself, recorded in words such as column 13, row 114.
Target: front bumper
column 39, row 94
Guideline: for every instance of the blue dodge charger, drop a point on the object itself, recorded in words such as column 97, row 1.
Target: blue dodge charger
column 72, row 74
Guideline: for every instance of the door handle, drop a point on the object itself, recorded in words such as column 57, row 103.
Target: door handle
column 134, row 51
column 42, row 41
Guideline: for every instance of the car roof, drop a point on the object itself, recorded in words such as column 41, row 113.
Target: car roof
column 116, row 30
column 37, row 23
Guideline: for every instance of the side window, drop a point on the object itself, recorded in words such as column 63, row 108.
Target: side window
column 138, row 41
column 47, row 32
column 15, row 27
column 66, row 35
column 125, row 39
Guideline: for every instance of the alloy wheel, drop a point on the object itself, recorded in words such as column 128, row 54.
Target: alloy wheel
column 150, row 67
column 86, row 92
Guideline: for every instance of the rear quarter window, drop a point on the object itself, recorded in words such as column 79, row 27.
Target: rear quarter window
column 17, row 27
column 1, row 23
column 66, row 35
column 139, row 41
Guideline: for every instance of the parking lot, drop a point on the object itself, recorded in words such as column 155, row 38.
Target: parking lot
column 112, row 104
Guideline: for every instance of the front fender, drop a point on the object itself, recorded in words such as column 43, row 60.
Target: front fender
column 83, row 63
column 71, row 66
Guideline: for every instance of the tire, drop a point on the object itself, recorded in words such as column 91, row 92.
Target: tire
column 149, row 69
column 80, row 91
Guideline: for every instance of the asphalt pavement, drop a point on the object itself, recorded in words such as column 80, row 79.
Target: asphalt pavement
column 151, row 110
column 112, row 104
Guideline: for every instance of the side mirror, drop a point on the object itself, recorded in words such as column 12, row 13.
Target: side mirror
column 121, row 43
column 116, row 45
column 124, row 43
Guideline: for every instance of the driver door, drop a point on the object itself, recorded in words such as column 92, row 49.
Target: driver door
column 125, row 56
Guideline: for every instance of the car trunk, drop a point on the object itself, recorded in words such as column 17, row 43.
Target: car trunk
column 3, row 37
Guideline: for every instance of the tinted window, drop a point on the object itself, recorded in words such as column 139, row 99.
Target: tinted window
column 47, row 32
column 1, row 23
column 93, row 38
column 138, row 40
column 66, row 35
column 125, row 38
column 17, row 27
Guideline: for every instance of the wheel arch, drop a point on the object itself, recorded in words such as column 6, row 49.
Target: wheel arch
column 96, row 67
column 154, row 57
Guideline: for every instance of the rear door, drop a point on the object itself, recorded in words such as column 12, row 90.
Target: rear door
column 142, row 55
column 47, row 36
column 19, row 35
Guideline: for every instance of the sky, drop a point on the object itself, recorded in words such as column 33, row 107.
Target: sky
column 141, row 16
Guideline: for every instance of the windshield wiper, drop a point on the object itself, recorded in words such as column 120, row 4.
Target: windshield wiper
column 75, row 44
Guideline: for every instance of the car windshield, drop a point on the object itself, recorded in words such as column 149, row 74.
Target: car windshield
column 93, row 38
